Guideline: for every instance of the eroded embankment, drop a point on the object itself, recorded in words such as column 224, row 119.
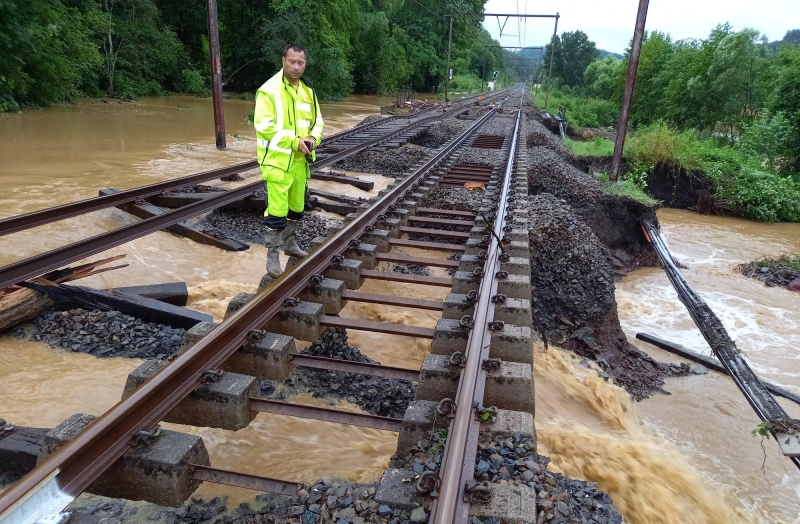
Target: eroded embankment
column 578, row 235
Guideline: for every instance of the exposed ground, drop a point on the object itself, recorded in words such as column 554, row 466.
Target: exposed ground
column 578, row 237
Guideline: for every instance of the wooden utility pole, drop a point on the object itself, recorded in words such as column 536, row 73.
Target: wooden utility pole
column 216, row 74
column 630, row 82
column 447, row 73
column 552, row 56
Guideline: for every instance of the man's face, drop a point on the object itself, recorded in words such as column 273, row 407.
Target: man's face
column 294, row 64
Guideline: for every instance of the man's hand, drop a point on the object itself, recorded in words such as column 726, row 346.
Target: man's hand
column 303, row 147
column 304, row 143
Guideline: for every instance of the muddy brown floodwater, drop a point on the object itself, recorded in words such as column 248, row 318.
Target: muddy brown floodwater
column 684, row 458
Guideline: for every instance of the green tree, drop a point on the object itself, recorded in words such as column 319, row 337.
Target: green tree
column 48, row 50
column 734, row 74
column 599, row 78
column 783, row 75
column 573, row 54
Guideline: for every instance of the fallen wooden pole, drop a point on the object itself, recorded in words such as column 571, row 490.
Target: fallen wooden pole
column 343, row 179
column 708, row 362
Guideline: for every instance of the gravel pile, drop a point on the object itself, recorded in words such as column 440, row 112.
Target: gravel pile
column 442, row 132
column 370, row 119
column 539, row 135
column 614, row 219
column 316, row 503
column 498, row 126
column 773, row 272
column 572, row 278
column 455, row 198
column 390, row 163
column 412, row 269
column 559, row 499
column 247, row 225
column 513, row 461
column 478, row 155
column 104, row 334
column 378, row 396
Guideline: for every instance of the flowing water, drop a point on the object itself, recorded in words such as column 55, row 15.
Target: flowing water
column 688, row 457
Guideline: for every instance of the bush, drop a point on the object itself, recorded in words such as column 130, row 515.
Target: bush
column 192, row 82
column 740, row 184
column 581, row 111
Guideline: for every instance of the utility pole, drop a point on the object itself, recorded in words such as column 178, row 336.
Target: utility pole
column 630, row 82
column 216, row 74
column 446, row 73
column 552, row 55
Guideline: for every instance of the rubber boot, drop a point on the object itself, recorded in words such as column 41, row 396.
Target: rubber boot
column 290, row 246
column 273, row 244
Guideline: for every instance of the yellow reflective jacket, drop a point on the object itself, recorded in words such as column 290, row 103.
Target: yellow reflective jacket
column 284, row 115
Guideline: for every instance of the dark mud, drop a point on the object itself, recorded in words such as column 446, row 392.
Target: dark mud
column 572, row 276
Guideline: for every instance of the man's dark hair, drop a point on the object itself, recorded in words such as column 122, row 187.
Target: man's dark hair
column 297, row 48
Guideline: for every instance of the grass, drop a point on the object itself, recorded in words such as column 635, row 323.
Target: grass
column 581, row 111
column 627, row 188
column 597, row 147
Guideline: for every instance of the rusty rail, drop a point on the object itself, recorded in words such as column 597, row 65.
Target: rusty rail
column 39, row 264
column 69, row 471
column 53, row 214
column 458, row 463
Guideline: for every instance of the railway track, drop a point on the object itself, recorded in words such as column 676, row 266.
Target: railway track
column 477, row 378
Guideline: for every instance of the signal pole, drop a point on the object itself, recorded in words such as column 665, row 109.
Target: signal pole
column 447, row 73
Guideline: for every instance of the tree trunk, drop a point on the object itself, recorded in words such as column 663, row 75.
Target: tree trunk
column 22, row 305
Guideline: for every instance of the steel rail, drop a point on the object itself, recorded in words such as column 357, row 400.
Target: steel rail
column 458, row 462
column 45, row 216
column 39, row 264
column 52, row 485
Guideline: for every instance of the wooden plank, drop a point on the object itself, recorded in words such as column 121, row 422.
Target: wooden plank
column 445, row 212
column 175, row 293
column 387, row 328
column 433, row 232
column 357, row 182
column 22, row 305
column 406, row 278
column 147, row 309
column 389, row 300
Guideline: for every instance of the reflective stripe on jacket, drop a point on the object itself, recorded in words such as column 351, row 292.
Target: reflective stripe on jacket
column 283, row 116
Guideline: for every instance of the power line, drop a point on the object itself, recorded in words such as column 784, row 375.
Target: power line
column 425, row 8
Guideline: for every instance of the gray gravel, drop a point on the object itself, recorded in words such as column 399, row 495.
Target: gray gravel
column 391, row 163
column 247, row 225
column 478, row 155
column 370, row 119
column 104, row 334
column 539, row 135
column 442, row 132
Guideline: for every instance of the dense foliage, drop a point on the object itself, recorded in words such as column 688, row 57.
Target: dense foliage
column 55, row 50
column 727, row 106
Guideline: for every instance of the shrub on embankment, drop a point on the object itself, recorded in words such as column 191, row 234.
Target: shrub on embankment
column 741, row 182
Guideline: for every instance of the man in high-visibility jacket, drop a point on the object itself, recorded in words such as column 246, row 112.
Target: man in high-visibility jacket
column 288, row 129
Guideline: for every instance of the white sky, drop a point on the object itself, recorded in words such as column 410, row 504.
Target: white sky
column 610, row 23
